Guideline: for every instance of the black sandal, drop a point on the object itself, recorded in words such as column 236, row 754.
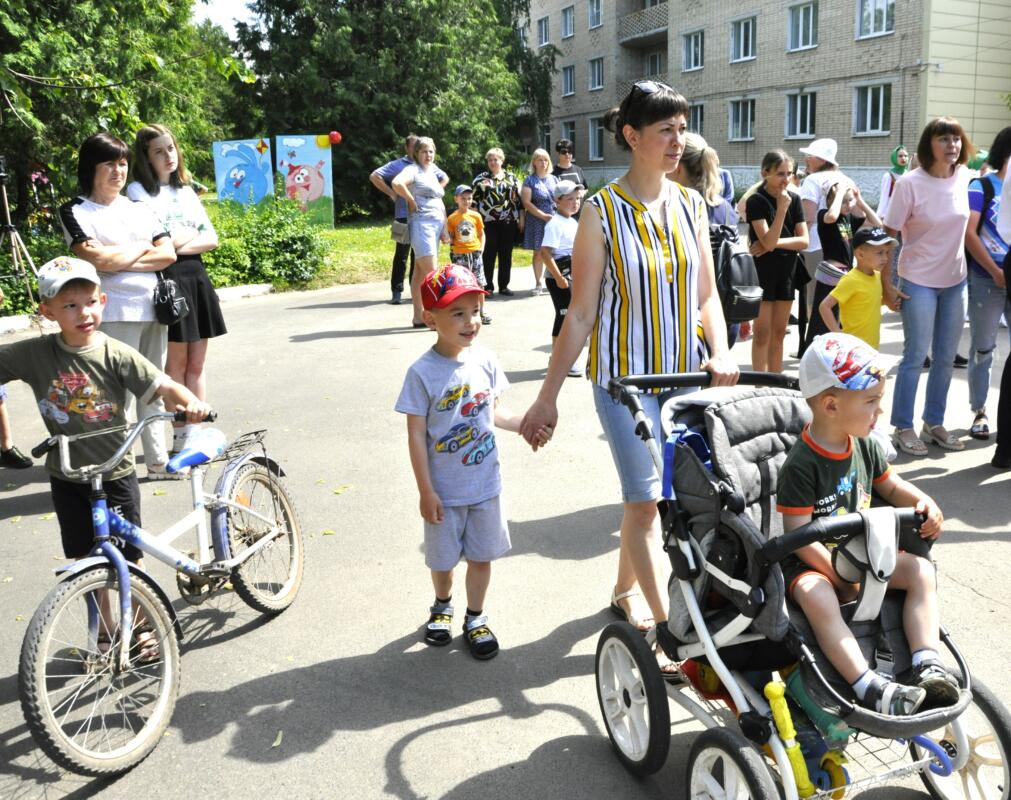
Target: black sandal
column 480, row 640
column 439, row 630
column 980, row 427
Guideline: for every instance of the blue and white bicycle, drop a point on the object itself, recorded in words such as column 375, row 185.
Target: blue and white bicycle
column 99, row 670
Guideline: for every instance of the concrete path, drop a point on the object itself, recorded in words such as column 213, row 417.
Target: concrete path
column 358, row 706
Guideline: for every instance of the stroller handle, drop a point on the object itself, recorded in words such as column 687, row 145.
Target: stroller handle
column 827, row 528
column 620, row 388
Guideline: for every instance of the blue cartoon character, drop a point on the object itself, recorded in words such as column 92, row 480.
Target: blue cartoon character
column 457, row 437
column 482, row 447
column 245, row 179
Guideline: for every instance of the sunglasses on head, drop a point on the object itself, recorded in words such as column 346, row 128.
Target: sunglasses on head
column 651, row 87
column 563, row 149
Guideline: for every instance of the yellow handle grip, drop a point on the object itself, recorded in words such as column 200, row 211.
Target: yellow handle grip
column 775, row 694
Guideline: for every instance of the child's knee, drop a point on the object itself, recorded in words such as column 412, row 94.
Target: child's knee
column 816, row 597
column 914, row 572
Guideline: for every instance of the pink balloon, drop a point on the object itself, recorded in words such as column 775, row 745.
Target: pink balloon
column 335, row 137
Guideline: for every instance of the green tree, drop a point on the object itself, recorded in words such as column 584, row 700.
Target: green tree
column 377, row 71
column 69, row 68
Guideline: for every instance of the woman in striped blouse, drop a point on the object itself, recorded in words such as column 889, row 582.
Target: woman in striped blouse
column 644, row 291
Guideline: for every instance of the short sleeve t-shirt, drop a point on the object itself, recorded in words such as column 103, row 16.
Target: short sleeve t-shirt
column 814, row 188
column 859, row 297
column 176, row 209
column 570, row 173
column 837, row 237
column 82, row 389
column 457, row 398
column 762, row 205
column 121, row 222
column 390, row 170
column 932, row 214
column 559, row 234
column 996, row 246
column 465, row 231
column 818, row 482
column 427, row 190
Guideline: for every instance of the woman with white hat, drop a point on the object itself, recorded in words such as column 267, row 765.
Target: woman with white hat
column 822, row 165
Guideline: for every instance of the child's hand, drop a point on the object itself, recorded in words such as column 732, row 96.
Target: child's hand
column 541, row 437
column 431, row 508
column 562, row 282
column 196, row 411
column 931, row 529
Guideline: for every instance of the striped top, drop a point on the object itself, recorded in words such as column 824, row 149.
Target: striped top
column 648, row 319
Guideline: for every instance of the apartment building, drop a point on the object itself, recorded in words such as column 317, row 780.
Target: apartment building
column 761, row 74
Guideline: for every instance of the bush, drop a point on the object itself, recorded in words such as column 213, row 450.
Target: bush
column 273, row 243
column 42, row 247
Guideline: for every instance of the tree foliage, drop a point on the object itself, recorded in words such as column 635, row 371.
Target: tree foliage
column 69, row 68
column 378, row 70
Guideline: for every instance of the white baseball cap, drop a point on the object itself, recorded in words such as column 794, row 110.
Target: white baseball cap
column 55, row 274
column 840, row 361
column 825, row 149
column 563, row 188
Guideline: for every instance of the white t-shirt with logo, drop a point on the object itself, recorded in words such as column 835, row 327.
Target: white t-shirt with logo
column 559, row 234
column 121, row 222
column 177, row 209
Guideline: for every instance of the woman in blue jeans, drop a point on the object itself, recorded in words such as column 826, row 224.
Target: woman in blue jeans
column 930, row 208
column 987, row 296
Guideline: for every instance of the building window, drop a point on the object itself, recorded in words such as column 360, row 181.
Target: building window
column 693, row 50
column 651, row 3
column 742, row 39
column 696, row 117
column 544, row 134
column 803, row 32
column 875, row 17
column 597, row 139
column 873, row 113
column 568, row 81
column 800, row 111
column 596, row 73
column 654, row 63
column 742, row 120
column 596, row 13
column 522, row 32
column 543, row 36
column 568, row 22
column 569, row 131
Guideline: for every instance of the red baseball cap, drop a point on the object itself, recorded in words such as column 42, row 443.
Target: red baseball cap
column 445, row 284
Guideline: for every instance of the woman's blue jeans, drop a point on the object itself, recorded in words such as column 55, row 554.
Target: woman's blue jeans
column 987, row 302
column 932, row 321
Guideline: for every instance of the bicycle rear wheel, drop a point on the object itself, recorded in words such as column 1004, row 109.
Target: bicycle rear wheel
column 87, row 714
column 269, row 579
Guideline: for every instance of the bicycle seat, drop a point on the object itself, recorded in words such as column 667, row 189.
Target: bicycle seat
column 199, row 448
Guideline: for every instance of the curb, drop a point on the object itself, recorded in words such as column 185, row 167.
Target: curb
column 23, row 322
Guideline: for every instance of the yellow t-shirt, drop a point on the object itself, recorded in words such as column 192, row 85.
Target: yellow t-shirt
column 465, row 231
column 859, row 297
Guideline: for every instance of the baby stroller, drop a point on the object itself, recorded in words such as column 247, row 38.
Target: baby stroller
column 780, row 722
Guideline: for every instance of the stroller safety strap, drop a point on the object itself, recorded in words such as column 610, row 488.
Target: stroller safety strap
column 869, row 557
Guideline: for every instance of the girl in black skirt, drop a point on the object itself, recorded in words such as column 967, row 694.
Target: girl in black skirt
column 162, row 182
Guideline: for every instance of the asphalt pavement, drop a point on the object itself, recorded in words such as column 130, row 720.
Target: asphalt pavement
column 338, row 696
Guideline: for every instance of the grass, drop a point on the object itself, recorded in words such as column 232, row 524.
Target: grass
column 362, row 251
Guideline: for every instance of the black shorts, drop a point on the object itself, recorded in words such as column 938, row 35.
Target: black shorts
column 793, row 568
column 776, row 279
column 72, row 502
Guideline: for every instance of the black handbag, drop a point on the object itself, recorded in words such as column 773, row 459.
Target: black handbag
column 169, row 304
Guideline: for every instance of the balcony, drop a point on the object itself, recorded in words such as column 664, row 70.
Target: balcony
column 645, row 27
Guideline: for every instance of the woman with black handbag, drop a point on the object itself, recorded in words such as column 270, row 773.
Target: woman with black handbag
column 128, row 245
column 163, row 184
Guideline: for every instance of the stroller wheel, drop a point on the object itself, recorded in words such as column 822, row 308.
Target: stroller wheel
column 723, row 765
column 982, row 734
column 633, row 698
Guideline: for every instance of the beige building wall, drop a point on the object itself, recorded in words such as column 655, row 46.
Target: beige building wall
column 968, row 47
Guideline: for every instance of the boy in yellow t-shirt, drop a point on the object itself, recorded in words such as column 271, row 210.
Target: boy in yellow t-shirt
column 858, row 293
column 465, row 236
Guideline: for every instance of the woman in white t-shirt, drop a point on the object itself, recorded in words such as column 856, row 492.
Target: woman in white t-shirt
column 930, row 208
column 163, row 184
column 128, row 245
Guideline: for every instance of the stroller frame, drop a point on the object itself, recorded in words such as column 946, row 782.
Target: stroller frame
column 634, row 695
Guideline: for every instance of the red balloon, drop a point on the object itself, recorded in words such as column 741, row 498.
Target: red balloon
column 335, row 137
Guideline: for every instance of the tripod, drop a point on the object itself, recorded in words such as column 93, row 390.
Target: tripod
column 19, row 253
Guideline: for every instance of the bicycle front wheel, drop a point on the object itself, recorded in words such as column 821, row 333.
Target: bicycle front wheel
column 87, row 713
column 270, row 578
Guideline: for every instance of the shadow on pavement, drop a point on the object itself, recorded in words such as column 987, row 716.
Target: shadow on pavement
column 28, row 505
column 576, row 536
column 218, row 620
column 524, row 375
column 342, row 304
column 361, row 693
column 319, row 335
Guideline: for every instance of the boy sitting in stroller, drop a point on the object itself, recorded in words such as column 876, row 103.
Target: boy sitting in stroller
column 832, row 469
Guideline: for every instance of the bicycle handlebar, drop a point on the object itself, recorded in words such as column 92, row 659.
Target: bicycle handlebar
column 63, row 441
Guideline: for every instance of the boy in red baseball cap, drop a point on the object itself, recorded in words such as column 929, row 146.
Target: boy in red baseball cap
column 451, row 399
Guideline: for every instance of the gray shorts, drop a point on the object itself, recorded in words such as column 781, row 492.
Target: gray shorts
column 476, row 533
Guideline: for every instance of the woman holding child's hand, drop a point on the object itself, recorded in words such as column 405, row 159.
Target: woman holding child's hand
column 127, row 244
column 665, row 283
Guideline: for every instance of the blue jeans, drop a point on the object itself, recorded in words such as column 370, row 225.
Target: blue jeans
column 986, row 304
column 932, row 321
